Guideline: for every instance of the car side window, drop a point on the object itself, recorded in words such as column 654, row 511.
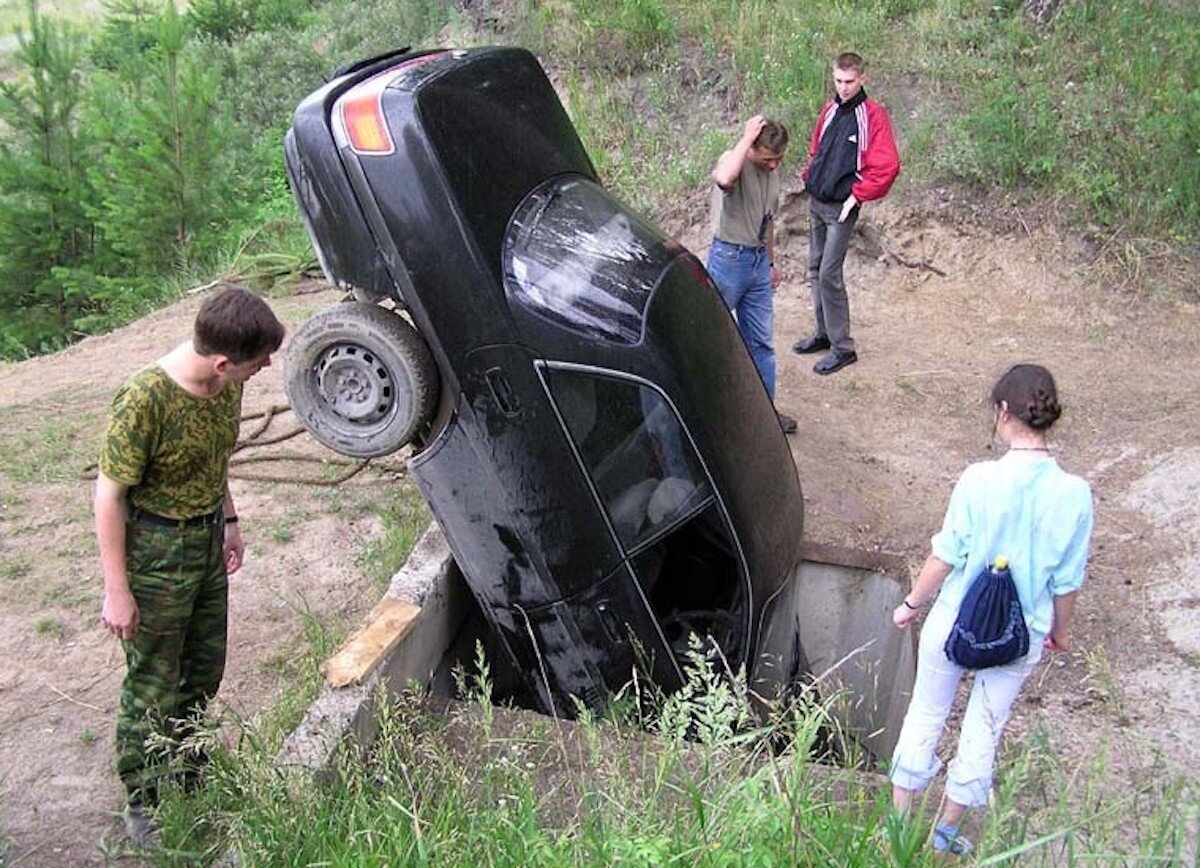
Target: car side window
column 634, row 449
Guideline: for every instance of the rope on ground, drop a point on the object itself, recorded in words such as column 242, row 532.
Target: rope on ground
column 267, row 416
column 875, row 237
column 922, row 264
column 254, row 439
column 268, row 441
column 337, row 480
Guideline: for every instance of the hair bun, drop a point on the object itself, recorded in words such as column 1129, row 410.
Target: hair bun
column 1030, row 394
column 1043, row 410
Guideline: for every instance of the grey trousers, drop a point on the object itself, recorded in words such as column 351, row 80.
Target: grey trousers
column 827, row 243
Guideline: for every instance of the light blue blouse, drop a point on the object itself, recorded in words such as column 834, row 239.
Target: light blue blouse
column 1025, row 507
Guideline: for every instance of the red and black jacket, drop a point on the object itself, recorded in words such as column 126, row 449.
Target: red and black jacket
column 852, row 151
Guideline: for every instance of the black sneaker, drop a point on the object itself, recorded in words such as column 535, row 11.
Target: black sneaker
column 811, row 344
column 835, row 361
column 786, row 422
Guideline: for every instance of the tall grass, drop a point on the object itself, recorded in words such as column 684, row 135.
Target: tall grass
column 484, row 786
column 1100, row 108
column 1096, row 111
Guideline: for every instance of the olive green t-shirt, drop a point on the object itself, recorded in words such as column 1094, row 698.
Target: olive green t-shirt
column 740, row 213
column 169, row 446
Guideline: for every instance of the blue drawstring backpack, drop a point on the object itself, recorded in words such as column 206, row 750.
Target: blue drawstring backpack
column 990, row 628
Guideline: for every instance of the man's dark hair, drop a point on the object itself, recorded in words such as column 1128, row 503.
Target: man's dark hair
column 772, row 137
column 1030, row 395
column 237, row 324
column 848, row 60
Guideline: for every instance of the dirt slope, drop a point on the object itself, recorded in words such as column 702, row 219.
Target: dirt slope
column 878, row 449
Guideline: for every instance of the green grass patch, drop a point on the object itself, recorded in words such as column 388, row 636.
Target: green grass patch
column 404, row 516
column 42, row 447
column 296, row 666
column 50, row 627
column 14, row 569
column 1099, row 108
column 486, row 786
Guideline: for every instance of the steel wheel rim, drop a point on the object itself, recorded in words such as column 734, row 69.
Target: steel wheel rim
column 355, row 384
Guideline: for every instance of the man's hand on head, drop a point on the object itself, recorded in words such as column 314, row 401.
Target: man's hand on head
column 754, row 126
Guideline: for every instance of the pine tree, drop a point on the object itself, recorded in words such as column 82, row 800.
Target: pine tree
column 165, row 180
column 44, row 189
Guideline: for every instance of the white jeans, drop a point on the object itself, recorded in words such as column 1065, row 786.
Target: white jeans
column 915, row 761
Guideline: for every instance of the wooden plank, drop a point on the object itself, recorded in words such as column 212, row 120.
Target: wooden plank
column 380, row 632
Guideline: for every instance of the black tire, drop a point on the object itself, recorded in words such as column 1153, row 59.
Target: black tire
column 361, row 379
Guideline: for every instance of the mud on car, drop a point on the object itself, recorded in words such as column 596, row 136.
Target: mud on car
column 584, row 420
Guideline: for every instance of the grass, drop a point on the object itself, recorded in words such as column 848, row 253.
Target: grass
column 14, row 569
column 405, row 517
column 51, row 627
column 40, row 446
column 283, row 529
column 1008, row 105
column 485, row 786
column 15, row 13
column 296, row 666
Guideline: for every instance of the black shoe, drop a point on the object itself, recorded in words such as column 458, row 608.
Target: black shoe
column 811, row 344
column 835, row 361
column 786, row 422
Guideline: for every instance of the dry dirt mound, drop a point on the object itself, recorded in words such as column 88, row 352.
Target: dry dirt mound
column 879, row 447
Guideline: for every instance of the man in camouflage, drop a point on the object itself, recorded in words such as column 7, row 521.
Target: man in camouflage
column 166, row 526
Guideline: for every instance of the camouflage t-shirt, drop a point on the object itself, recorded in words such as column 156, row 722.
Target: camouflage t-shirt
column 169, row 446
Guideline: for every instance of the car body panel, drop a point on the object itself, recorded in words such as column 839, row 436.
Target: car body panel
column 607, row 466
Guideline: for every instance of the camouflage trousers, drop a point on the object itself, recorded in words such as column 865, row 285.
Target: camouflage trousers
column 175, row 660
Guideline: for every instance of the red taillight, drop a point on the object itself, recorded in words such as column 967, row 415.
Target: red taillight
column 362, row 118
column 360, row 110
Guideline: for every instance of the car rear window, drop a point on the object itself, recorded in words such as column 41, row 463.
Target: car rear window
column 581, row 258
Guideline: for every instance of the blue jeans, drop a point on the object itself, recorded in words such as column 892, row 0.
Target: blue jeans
column 743, row 276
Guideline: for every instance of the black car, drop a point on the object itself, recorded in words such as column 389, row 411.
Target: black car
column 587, row 425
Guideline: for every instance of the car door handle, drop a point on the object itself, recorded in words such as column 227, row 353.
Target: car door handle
column 502, row 392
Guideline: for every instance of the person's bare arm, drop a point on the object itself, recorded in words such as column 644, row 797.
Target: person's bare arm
column 119, row 611
column 1060, row 632
column 234, row 549
column 929, row 580
column 729, row 167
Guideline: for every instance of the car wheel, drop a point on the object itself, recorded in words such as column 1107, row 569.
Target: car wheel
column 361, row 379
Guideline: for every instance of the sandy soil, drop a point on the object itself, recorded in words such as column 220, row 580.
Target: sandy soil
column 879, row 447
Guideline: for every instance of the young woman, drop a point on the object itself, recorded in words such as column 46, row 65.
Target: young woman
column 1023, row 507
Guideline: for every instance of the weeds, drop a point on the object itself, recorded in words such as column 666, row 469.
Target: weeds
column 487, row 785
column 297, row 666
column 1101, row 675
column 50, row 627
column 404, row 516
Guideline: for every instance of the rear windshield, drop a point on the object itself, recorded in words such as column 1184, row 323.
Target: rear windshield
column 581, row 258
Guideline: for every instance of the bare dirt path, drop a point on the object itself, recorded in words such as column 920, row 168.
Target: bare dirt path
column 879, row 447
